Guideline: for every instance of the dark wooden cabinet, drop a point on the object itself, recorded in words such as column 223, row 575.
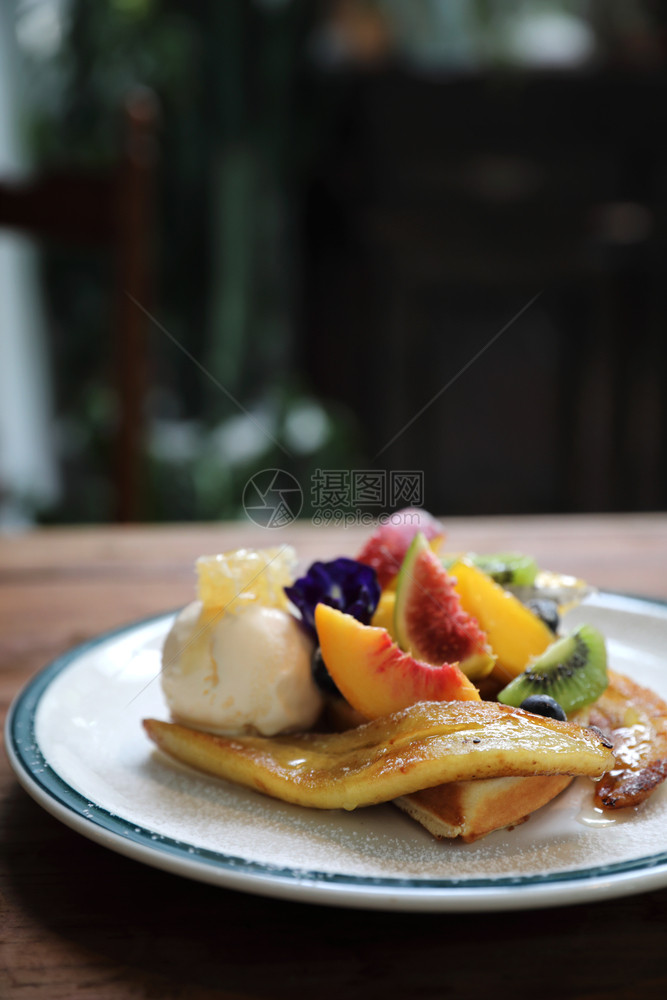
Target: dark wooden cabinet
column 445, row 206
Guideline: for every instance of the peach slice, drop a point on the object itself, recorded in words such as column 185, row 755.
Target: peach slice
column 374, row 675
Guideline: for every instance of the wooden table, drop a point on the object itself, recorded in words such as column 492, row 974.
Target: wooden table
column 81, row 921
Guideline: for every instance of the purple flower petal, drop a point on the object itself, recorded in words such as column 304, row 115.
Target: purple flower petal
column 343, row 583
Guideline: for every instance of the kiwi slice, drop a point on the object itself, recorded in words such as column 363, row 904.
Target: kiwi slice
column 506, row 568
column 573, row 671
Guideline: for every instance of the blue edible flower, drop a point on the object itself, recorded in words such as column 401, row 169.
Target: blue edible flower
column 345, row 584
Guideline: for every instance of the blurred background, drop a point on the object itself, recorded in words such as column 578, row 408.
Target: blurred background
column 331, row 234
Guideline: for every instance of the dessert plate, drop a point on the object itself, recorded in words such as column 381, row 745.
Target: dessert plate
column 76, row 744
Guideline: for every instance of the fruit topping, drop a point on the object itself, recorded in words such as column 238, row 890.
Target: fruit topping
column 386, row 548
column 566, row 591
column 246, row 576
column 374, row 675
column 384, row 613
column 429, row 622
column 573, row 671
column 514, row 633
column 508, row 568
column 547, row 610
column 504, row 567
column 542, row 704
column 345, row 584
column 422, row 746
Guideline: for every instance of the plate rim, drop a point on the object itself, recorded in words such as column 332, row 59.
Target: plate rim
column 504, row 892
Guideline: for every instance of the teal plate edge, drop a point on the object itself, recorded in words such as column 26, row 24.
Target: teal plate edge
column 115, row 832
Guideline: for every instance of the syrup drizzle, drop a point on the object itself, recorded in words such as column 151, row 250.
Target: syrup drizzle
column 593, row 816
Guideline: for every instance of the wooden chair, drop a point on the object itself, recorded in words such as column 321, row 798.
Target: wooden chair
column 112, row 209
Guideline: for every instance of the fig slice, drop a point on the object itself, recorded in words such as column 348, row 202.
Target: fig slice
column 429, row 621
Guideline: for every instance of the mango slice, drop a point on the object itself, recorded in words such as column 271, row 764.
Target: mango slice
column 515, row 634
column 384, row 613
column 419, row 747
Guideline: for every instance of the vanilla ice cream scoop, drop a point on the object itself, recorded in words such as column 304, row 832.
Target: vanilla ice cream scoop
column 233, row 673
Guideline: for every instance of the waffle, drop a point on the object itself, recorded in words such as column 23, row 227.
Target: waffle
column 471, row 809
column 467, row 809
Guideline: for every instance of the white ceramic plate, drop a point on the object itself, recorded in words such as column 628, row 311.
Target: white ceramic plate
column 75, row 741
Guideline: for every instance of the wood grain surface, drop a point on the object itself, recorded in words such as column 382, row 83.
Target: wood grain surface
column 81, row 921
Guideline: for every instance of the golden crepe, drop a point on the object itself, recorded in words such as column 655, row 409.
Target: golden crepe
column 428, row 744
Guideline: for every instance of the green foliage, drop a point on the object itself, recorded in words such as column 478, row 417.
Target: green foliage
column 238, row 126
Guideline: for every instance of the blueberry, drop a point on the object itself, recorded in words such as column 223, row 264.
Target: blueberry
column 321, row 675
column 547, row 610
column 543, row 704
